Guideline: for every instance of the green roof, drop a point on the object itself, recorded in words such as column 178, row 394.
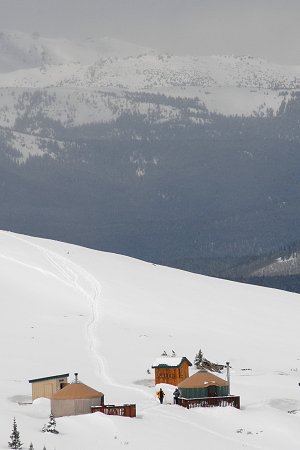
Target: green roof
column 64, row 375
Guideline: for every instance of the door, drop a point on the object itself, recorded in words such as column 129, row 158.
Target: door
column 212, row 391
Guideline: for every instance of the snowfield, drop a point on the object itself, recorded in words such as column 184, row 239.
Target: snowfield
column 108, row 317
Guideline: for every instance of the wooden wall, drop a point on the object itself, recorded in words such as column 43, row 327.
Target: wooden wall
column 61, row 408
column 46, row 388
column 172, row 375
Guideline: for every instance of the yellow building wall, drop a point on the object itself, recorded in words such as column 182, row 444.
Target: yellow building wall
column 46, row 388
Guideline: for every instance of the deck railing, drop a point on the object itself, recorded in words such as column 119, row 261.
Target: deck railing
column 228, row 400
column 113, row 410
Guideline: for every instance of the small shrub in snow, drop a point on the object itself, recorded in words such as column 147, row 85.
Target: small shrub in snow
column 50, row 427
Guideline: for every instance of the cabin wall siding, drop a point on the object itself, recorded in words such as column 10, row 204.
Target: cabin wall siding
column 222, row 391
column 172, row 375
column 61, row 408
column 46, row 388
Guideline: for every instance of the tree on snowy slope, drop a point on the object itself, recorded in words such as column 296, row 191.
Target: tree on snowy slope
column 198, row 359
column 31, row 446
column 15, row 441
column 50, row 427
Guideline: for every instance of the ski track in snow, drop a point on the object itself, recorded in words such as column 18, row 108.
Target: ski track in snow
column 70, row 273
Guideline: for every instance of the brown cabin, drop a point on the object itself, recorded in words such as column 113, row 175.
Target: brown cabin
column 171, row 369
column 74, row 399
column 47, row 386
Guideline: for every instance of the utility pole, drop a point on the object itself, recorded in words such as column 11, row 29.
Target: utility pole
column 228, row 376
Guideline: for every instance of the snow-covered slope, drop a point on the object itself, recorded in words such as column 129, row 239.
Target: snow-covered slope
column 281, row 267
column 25, row 145
column 159, row 71
column 69, row 309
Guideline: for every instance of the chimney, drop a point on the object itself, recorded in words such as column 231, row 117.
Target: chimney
column 228, row 376
column 76, row 377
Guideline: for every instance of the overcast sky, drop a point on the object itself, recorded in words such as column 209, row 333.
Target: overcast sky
column 266, row 28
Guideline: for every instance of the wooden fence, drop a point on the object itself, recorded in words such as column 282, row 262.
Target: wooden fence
column 229, row 400
column 113, row 410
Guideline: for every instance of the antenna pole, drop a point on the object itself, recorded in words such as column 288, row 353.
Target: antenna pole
column 228, row 376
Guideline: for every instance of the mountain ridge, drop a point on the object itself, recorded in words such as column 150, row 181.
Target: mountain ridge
column 240, row 85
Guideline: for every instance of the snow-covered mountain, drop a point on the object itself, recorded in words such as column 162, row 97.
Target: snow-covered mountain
column 93, row 67
column 109, row 63
column 99, row 80
column 108, row 317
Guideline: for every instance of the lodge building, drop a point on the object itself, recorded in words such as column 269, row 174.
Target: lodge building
column 171, row 369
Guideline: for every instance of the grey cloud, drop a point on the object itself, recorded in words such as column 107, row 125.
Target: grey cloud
column 266, row 28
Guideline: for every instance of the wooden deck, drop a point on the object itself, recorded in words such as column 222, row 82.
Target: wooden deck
column 209, row 402
column 113, row 410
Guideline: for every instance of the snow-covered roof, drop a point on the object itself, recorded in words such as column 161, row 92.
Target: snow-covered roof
column 170, row 361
